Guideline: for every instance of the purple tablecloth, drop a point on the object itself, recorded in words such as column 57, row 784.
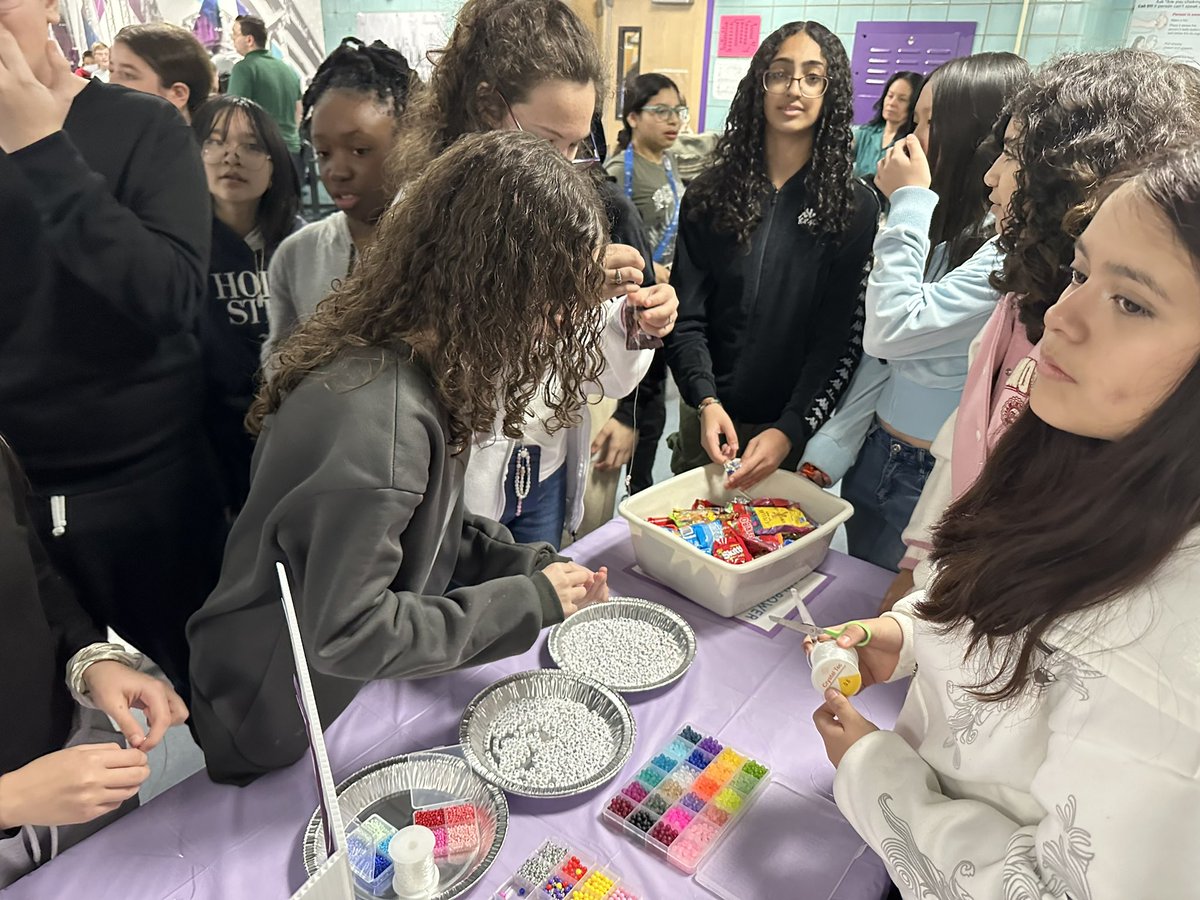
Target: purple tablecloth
column 201, row 840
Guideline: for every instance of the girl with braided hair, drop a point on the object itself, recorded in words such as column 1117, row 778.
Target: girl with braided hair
column 352, row 113
column 771, row 264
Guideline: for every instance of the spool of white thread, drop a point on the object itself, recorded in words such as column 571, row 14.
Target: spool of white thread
column 416, row 876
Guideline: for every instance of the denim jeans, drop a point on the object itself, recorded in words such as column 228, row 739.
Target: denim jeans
column 884, row 485
column 544, row 511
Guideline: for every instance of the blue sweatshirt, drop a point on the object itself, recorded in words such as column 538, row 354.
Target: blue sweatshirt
column 921, row 328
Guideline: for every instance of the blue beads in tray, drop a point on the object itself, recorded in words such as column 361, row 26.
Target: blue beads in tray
column 366, row 847
column 664, row 762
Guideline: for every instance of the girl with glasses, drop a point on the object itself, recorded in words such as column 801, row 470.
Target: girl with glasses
column 533, row 66
column 771, row 264
column 255, row 198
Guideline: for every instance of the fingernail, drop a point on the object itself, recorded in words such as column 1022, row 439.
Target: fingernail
column 831, row 695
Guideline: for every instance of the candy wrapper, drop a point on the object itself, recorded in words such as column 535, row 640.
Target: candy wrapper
column 635, row 338
column 740, row 532
column 732, row 466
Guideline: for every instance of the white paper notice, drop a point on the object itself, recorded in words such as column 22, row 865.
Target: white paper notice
column 787, row 604
column 727, row 74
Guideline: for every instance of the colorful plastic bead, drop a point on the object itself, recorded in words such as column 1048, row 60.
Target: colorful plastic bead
column 672, row 790
column 593, row 888
column 699, row 759
column 732, row 757
column 721, row 772
column 430, row 818
column 463, row 814
column 664, row 762
column 557, row 887
column 685, row 775
column 730, row 801
column 691, row 735
column 716, row 815
column 702, row 831
column 651, row 777
column 687, row 853
column 440, row 843
column 643, row 820
column 621, row 805
column 657, row 803
column 705, row 787
column 574, row 869
column 755, row 770
column 635, row 791
column 621, row 894
column 743, row 783
column 710, row 745
column 678, row 818
column 461, row 838
column 678, row 749
column 694, row 803
column 664, row 833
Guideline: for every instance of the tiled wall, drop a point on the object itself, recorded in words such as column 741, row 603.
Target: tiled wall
column 1052, row 27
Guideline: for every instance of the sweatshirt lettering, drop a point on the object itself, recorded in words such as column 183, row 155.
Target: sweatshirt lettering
column 244, row 294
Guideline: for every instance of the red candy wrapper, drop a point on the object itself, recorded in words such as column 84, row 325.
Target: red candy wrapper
column 730, row 548
column 664, row 522
column 705, row 504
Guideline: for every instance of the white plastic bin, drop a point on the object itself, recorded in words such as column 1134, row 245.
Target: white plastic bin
column 724, row 588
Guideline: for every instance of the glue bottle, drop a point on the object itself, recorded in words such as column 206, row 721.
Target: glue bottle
column 835, row 667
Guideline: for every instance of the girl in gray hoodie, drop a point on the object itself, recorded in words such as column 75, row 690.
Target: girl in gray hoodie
column 485, row 281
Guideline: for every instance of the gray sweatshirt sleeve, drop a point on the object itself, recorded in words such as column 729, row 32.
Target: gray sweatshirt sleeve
column 488, row 551
column 344, row 551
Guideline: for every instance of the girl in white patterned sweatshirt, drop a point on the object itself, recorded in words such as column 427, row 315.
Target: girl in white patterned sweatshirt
column 1050, row 743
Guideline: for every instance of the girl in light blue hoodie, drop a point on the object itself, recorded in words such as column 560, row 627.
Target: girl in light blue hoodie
column 923, row 308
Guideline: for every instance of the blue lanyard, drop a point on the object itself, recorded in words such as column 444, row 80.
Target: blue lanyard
column 669, row 235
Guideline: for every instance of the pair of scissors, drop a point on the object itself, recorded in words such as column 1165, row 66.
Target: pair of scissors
column 816, row 631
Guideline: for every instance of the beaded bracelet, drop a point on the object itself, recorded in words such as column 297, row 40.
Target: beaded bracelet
column 94, row 653
column 707, row 402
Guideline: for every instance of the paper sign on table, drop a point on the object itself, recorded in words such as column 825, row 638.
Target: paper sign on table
column 727, row 74
column 787, row 604
column 738, row 35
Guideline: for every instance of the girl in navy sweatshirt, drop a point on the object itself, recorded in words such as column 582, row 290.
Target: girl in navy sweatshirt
column 255, row 195
column 771, row 263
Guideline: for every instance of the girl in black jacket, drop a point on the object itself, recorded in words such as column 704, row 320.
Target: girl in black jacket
column 771, row 264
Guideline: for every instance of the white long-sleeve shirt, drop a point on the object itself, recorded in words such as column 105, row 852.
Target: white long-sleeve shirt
column 1086, row 786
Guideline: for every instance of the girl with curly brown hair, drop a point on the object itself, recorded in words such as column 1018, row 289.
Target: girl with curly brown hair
column 771, row 263
column 533, row 66
column 365, row 433
column 1080, row 118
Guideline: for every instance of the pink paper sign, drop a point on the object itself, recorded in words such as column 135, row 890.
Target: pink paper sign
column 738, row 35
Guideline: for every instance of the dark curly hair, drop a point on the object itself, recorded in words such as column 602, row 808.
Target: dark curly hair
column 1081, row 117
column 487, row 268
column 374, row 69
column 729, row 195
column 499, row 51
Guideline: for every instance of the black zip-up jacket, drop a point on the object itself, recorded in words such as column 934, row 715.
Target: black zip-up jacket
column 107, row 231
column 776, row 333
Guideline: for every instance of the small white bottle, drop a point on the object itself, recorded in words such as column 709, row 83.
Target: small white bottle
column 835, row 667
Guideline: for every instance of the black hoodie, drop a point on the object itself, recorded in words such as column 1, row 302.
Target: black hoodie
column 43, row 628
column 106, row 244
column 774, row 333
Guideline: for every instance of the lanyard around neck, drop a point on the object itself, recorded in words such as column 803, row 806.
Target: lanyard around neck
column 660, row 251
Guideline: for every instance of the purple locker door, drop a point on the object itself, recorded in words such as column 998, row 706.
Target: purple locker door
column 883, row 48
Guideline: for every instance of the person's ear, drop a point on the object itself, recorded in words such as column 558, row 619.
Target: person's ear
column 179, row 94
column 53, row 17
column 491, row 108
